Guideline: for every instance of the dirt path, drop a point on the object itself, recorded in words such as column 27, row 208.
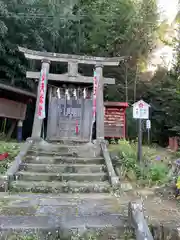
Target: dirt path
column 156, row 208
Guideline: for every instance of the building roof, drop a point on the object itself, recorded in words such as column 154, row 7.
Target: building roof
column 116, row 104
column 17, row 90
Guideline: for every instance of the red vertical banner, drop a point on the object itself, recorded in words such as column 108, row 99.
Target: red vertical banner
column 42, row 94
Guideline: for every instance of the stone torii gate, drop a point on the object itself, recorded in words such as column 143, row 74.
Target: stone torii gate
column 72, row 76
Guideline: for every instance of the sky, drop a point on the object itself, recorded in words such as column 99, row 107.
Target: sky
column 168, row 8
column 164, row 55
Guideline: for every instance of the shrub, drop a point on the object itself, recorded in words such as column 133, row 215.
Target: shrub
column 12, row 148
column 158, row 172
column 152, row 170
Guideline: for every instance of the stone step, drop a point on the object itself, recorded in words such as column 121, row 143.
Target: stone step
column 51, row 153
column 61, row 168
column 41, row 176
column 66, row 141
column 64, row 196
column 59, row 187
column 76, row 227
column 88, row 204
column 54, row 147
column 58, row 207
column 102, row 233
column 63, row 159
column 62, row 204
column 19, row 211
column 74, row 221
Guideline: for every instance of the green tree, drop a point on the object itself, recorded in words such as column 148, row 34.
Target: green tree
column 163, row 94
column 32, row 24
column 97, row 27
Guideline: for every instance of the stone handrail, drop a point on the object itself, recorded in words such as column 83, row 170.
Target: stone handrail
column 112, row 175
column 9, row 175
column 137, row 220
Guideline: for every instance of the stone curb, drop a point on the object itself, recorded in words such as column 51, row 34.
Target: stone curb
column 111, row 172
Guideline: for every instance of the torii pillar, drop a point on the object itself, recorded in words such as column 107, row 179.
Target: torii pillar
column 39, row 114
column 100, row 103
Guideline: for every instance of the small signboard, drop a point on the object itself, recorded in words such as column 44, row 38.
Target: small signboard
column 141, row 110
column 148, row 124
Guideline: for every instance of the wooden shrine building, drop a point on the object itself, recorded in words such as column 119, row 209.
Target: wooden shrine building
column 70, row 99
column 13, row 107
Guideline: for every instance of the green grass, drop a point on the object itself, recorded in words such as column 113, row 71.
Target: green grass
column 12, row 148
column 18, row 237
column 153, row 169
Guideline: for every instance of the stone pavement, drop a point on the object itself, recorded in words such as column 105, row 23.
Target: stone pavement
column 50, row 214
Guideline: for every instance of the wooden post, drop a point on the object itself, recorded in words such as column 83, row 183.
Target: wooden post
column 11, row 130
column 100, row 103
column 37, row 125
column 175, row 144
column 19, row 130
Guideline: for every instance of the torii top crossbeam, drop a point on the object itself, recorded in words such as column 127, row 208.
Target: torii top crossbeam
column 57, row 57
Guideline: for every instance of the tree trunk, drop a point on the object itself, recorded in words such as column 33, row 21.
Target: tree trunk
column 11, row 130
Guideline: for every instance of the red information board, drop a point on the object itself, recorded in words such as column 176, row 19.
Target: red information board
column 115, row 119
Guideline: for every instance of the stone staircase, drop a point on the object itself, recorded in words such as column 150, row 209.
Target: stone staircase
column 60, row 169
column 61, row 192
